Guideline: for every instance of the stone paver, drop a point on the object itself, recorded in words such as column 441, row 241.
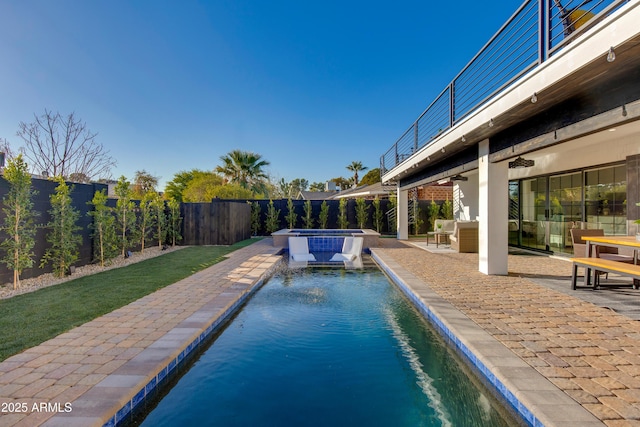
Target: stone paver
column 589, row 352
column 83, row 376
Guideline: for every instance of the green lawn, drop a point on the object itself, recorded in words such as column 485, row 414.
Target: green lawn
column 30, row 319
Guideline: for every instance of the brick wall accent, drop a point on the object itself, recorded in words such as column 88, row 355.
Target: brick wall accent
column 436, row 192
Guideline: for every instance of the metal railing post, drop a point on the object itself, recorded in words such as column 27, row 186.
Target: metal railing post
column 395, row 146
column 544, row 28
column 452, row 111
column 415, row 137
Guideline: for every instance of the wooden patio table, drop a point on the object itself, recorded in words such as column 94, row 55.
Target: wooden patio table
column 619, row 242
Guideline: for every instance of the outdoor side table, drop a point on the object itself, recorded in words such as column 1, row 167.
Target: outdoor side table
column 438, row 235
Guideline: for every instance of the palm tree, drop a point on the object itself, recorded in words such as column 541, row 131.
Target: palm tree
column 244, row 168
column 356, row 167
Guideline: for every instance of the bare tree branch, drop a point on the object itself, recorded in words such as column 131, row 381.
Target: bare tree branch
column 5, row 148
column 63, row 146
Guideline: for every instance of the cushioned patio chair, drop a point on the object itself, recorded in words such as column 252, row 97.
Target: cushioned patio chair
column 351, row 249
column 299, row 249
column 604, row 252
column 441, row 228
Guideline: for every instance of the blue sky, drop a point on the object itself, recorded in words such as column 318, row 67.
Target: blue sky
column 174, row 85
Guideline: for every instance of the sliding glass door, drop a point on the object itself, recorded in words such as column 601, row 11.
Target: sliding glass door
column 533, row 210
column 543, row 210
column 565, row 209
column 606, row 199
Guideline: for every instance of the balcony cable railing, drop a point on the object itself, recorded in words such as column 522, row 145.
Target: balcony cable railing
column 536, row 31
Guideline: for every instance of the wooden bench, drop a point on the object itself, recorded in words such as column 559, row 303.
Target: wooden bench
column 599, row 264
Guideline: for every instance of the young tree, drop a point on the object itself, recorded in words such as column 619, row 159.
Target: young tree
column 273, row 214
column 158, row 219
column 362, row 212
column 447, row 209
column 255, row 218
column 434, row 212
column 307, row 219
column 105, row 246
column 343, row 222
column 145, row 218
column 19, row 219
column 62, row 146
column 125, row 214
column 63, row 231
column 174, row 221
column 324, row 215
column 417, row 220
column 377, row 214
column 291, row 215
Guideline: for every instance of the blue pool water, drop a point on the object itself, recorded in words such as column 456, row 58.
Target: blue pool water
column 327, row 347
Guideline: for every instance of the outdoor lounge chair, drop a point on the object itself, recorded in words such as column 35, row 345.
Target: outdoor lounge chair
column 299, row 249
column 351, row 249
column 465, row 236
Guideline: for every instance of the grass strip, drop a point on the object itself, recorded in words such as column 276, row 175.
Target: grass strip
column 30, row 319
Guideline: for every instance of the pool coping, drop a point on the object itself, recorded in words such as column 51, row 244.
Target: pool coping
column 532, row 396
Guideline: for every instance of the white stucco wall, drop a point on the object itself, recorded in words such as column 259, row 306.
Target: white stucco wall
column 465, row 199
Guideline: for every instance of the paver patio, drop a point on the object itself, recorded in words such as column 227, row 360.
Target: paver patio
column 589, row 352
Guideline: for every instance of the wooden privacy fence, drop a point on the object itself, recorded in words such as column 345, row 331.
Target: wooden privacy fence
column 221, row 222
column 216, row 223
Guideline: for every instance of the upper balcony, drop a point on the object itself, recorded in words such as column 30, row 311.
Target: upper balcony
column 538, row 32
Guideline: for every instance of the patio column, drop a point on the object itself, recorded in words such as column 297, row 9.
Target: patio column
column 493, row 206
column 402, row 217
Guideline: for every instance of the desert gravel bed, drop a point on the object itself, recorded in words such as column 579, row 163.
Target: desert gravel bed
column 33, row 284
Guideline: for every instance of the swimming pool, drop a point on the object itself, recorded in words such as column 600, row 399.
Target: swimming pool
column 328, row 347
